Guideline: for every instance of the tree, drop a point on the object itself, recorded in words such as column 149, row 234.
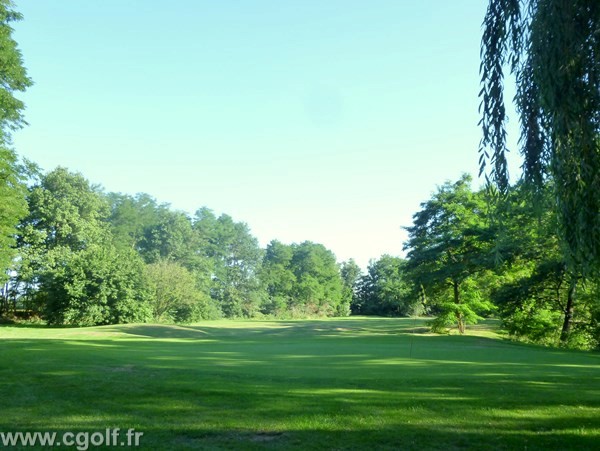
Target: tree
column 304, row 279
column 278, row 278
column 13, row 78
column 319, row 288
column 131, row 217
column 236, row 258
column 94, row 286
column 385, row 289
column 553, row 49
column 538, row 297
column 351, row 275
column 171, row 236
column 448, row 245
column 66, row 211
column 66, row 215
column 69, row 269
column 175, row 295
column 13, row 193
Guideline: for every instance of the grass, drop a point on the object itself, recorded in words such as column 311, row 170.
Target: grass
column 356, row 383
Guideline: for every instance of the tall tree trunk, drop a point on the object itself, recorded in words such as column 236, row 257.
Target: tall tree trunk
column 460, row 321
column 4, row 305
column 566, row 329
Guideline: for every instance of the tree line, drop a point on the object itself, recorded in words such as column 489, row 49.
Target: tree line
column 85, row 257
column 80, row 256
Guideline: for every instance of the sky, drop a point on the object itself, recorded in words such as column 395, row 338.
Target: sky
column 329, row 121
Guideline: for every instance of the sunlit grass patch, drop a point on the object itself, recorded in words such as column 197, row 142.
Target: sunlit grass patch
column 350, row 383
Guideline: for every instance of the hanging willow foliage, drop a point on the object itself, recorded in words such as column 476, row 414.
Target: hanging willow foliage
column 552, row 47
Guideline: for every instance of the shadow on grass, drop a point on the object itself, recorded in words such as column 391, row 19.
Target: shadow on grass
column 391, row 326
column 346, row 385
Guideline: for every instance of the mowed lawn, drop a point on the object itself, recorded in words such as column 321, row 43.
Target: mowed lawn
column 356, row 383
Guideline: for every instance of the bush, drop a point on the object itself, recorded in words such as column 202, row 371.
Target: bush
column 94, row 286
column 175, row 296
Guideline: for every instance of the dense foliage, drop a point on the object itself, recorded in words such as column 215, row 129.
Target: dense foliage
column 86, row 257
column 466, row 264
column 13, row 207
column 303, row 279
column 553, row 50
column 385, row 289
column 448, row 247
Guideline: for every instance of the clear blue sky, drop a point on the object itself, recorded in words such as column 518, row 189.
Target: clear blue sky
column 322, row 120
